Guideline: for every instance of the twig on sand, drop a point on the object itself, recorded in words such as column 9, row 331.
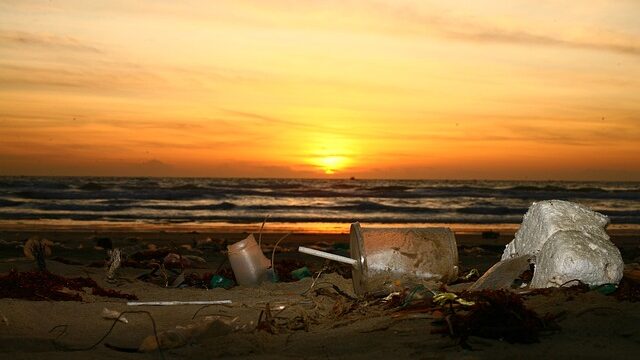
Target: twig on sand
column 113, row 325
column 315, row 279
column 204, row 307
column 273, row 253
column 262, row 227
column 596, row 308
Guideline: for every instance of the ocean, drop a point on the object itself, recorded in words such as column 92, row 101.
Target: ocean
column 316, row 203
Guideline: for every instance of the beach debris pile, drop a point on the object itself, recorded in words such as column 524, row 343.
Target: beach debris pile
column 493, row 314
column 567, row 243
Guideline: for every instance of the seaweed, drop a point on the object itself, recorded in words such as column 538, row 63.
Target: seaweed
column 43, row 285
column 628, row 290
column 498, row 314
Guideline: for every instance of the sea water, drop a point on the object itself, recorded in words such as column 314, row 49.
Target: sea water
column 212, row 201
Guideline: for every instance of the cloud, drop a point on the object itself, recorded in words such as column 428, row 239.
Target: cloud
column 46, row 41
column 423, row 19
column 574, row 133
column 305, row 126
column 526, row 38
column 93, row 76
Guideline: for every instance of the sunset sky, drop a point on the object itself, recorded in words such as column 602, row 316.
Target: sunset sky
column 371, row 89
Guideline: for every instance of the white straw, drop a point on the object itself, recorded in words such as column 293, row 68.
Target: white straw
column 327, row 255
column 170, row 303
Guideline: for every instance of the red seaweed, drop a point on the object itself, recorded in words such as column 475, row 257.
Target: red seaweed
column 43, row 285
column 499, row 314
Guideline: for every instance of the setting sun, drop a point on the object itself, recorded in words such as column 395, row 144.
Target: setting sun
column 330, row 154
column 331, row 164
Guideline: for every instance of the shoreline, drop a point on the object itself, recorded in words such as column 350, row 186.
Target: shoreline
column 270, row 227
column 465, row 235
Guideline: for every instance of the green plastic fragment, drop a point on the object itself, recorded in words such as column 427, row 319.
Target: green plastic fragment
column 218, row 281
column 301, row 273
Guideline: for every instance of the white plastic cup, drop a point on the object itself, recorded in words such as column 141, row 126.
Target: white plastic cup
column 393, row 258
column 248, row 262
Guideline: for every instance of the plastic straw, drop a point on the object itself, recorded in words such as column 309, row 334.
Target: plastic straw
column 171, row 303
column 326, row 255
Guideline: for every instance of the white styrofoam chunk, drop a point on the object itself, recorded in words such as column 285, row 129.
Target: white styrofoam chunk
column 577, row 255
column 547, row 217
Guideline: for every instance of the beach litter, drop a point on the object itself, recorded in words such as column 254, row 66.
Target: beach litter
column 569, row 243
column 504, row 274
column 113, row 315
column 178, row 303
column 385, row 260
column 301, row 273
column 249, row 264
column 114, row 263
column 218, row 281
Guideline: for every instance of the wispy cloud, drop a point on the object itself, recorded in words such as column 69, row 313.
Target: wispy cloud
column 424, row 19
column 518, row 37
column 93, row 76
column 46, row 41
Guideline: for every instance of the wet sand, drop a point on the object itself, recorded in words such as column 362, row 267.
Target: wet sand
column 593, row 325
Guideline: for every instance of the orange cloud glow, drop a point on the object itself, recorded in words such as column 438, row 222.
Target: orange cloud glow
column 371, row 89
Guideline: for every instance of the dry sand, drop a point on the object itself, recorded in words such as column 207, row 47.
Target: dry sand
column 594, row 325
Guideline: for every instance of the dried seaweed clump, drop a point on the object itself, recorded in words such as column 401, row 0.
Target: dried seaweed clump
column 499, row 314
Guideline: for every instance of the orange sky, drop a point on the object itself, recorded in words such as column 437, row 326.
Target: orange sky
column 371, row 89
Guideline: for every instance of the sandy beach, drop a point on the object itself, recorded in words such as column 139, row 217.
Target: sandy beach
column 306, row 324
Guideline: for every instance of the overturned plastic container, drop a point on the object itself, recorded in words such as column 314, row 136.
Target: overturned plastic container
column 392, row 257
column 389, row 259
column 249, row 264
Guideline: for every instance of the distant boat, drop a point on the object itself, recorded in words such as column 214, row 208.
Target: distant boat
column 352, row 178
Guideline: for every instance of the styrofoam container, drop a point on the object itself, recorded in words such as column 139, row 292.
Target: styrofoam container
column 545, row 218
column 575, row 255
